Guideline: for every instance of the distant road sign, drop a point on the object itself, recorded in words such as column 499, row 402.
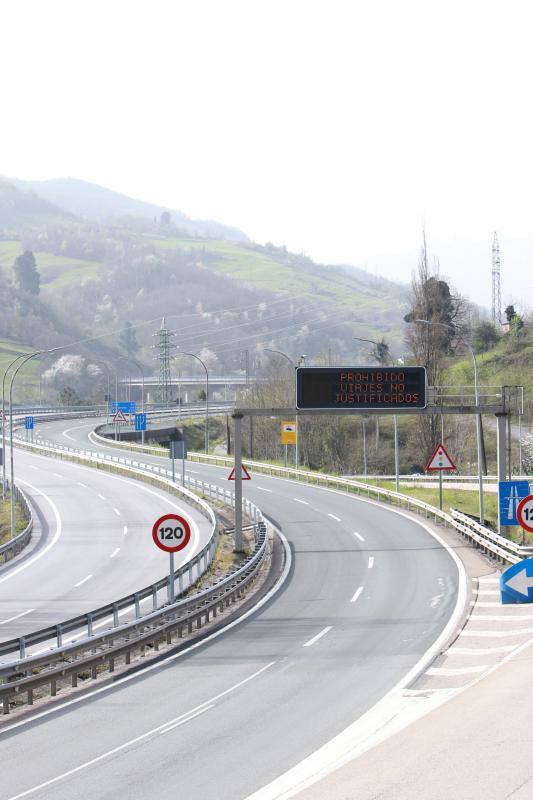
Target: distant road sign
column 244, row 474
column 440, row 460
column 524, row 513
column 125, row 406
column 510, row 494
column 171, row 533
column 288, row 432
column 177, row 449
column 365, row 388
column 29, row 423
column 119, row 418
column 140, row 422
column 516, row 583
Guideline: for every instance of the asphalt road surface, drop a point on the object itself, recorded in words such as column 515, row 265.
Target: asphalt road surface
column 369, row 592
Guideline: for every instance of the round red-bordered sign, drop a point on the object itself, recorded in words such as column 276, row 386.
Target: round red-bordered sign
column 171, row 533
column 524, row 513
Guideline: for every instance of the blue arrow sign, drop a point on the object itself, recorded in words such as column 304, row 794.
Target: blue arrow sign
column 510, row 493
column 29, row 423
column 140, row 422
column 516, row 583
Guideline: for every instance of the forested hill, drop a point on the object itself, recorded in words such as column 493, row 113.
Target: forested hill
column 220, row 296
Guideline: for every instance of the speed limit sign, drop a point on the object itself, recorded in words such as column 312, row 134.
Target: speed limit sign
column 524, row 513
column 171, row 533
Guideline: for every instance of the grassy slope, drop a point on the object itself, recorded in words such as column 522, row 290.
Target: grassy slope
column 510, row 363
column 56, row 271
column 264, row 271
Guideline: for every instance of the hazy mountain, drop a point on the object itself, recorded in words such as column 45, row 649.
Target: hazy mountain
column 20, row 209
column 93, row 202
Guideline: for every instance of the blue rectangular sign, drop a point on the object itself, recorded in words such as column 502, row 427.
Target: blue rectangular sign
column 29, row 423
column 140, row 422
column 509, row 495
column 124, row 406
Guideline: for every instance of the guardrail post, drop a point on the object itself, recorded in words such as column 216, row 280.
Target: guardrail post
column 89, row 624
column 59, row 635
column 154, row 597
column 237, row 474
column 137, row 606
column 22, row 647
column 115, row 615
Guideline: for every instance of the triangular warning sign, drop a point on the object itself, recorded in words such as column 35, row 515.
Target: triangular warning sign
column 245, row 475
column 440, row 460
column 119, row 417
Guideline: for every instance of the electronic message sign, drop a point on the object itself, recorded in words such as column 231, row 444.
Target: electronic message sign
column 361, row 388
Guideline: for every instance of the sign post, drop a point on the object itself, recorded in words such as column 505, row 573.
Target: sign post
column 171, row 533
column 439, row 462
column 29, row 424
column 289, row 435
column 178, row 449
column 140, row 424
column 119, row 419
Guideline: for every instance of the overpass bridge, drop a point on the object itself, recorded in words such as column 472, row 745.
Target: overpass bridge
column 185, row 387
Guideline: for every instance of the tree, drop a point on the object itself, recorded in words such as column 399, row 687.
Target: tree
column 431, row 300
column 510, row 313
column 26, row 273
column 127, row 339
column 68, row 397
column 485, row 337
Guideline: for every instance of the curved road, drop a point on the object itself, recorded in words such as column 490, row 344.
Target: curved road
column 369, row 592
column 90, row 545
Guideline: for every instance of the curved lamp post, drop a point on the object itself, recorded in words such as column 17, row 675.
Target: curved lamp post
column 478, row 415
column 12, row 364
column 301, row 361
column 395, row 421
column 193, row 355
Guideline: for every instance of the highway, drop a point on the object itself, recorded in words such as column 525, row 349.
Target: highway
column 91, row 544
column 368, row 593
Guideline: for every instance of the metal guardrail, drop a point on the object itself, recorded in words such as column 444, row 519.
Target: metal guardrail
column 11, row 548
column 145, row 628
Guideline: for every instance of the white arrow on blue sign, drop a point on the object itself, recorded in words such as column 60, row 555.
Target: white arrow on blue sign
column 140, row 422
column 516, row 583
column 29, row 423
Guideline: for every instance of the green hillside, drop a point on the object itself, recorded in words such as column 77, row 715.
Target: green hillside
column 21, row 209
column 510, row 363
column 375, row 304
column 56, row 272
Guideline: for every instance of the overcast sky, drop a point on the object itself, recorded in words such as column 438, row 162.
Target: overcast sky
column 334, row 127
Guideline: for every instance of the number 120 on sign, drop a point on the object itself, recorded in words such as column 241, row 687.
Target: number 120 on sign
column 524, row 513
column 171, row 533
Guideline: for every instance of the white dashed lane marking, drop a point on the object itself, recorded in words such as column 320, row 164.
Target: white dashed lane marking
column 370, row 562
column 318, row 636
column 84, row 580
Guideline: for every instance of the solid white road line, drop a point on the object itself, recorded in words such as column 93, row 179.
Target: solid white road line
column 57, row 475
column 334, row 517
column 117, row 512
column 87, row 578
column 154, row 731
column 358, row 536
column 101, row 496
column 115, row 552
column 84, row 485
column 187, row 719
column 502, row 617
column 318, row 636
column 495, row 634
column 49, row 546
column 445, row 672
column 357, row 594
column 17, row 616
column 480, row 651
column 303, row 502
column 370, row 562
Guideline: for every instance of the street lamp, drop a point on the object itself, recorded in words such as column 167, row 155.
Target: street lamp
column 395, row 421
column 12, row 462
column 301, row 363
column 478, row 414
column 11, row 364
column 193, row 355
column 141, row 370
